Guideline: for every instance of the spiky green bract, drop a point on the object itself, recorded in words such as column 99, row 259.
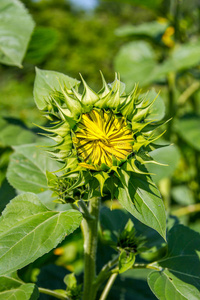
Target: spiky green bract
column 65, row 109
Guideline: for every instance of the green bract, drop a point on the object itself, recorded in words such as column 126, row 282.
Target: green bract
column 103, row 140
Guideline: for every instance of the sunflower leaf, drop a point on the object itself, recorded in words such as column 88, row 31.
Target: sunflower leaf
column 16, row 27
column 11, row 287
column 28, row 230
column 179, row 276
column 138, row 195
column 48, row 81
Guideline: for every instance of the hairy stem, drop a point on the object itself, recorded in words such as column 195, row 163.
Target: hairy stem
column 84, row 210
column 90, row 232
column 52, row 293
column 108, row 286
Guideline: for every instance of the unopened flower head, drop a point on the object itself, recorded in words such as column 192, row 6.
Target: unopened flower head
column 100, row 132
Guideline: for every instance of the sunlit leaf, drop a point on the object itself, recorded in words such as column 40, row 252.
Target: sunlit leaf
column 135, row 61
column 183, row 195
column 27, row 168
column 179, row 277
column 16, row 26
column 168, row 156
column 46, row 82
column 43, row 41
column 28, row 230
column 188, row 127
column 13, row 132
column 151, row 29
column 13, row 288
column 141, row 198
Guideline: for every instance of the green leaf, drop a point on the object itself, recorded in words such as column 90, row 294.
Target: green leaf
column 169, row 156
column 126, row 261
column 183, row 195
column 7, row 192
column 151, row 29
column 27, row 168
column 16, row 27
column 43, row 42
column 110, row 223
column 13, row 132
column 70, row 280
column 179, row 277
column 135, row 61
column 28, row 230
column 13, row 288
column 188, row 127
column 182, row 57
column 139, row 195
column 46, row 82
column 157, row 109
column 101, row 177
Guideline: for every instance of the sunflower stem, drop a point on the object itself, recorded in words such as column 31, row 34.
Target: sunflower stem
column 53, row 294
column 108, row 286
column 85, row 211
column 90, row 232
column 105, row 271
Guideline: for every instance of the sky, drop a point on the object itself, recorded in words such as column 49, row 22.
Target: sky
column 85, row 4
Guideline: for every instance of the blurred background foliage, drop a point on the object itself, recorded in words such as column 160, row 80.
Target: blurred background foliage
column 153, row 43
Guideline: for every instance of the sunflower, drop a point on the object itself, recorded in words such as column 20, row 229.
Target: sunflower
column 96, row 134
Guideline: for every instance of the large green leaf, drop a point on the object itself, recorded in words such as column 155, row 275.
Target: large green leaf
column 139, row 195
column 179, row 277
column 110, row 224
column 28, row 230
column 27, row 168
column 13, row 288
column 46, row 82
column 16, row 26
column 188, row 127
column 182, row 57
column 135, row 62
column 13, row 132
column 43, row 42
column 183, row 195
column 7, row 192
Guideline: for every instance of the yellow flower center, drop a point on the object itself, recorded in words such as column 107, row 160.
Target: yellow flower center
column 100, row 136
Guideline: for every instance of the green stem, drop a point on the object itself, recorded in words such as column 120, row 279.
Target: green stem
column 108, row 286
column 171, row 108
column 105, row 271
column 177, row 20
column 146, row 266
column 195, row 86
column 90, row 232
column 186, row 210
column 84, row 210
column 52, row 293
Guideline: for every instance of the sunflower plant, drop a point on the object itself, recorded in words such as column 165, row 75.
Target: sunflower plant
column 102, row 140
column 93, row 160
